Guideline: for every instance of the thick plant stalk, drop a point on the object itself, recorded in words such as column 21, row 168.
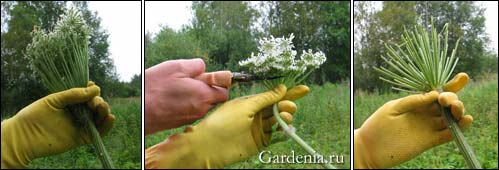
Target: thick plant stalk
column 60, row 58
column 297, row 138
column 82, row 112
column 464, row 147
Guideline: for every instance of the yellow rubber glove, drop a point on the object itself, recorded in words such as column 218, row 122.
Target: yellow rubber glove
column 404, row 128
column 44, row 127
column 234, row 132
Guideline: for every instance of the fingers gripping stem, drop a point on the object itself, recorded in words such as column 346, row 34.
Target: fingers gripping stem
column 82, row 112
column 296, row 138
column 464, row 147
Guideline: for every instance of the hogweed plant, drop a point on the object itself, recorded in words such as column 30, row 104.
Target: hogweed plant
column 421, row 64
column 60, row 59
column 276, row 58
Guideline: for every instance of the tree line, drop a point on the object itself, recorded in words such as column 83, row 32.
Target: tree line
column 225, row 32
column 19, row 85
column 374, row 28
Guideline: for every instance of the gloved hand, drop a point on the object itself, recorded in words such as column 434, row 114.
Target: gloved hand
column 45, row 127
column 234, row 132
column 404, row 128
column 178, row 93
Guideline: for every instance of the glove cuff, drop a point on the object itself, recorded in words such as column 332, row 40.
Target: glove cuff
column 180, row 151
column 361, row 154
column 13, row 154
column 174, row 152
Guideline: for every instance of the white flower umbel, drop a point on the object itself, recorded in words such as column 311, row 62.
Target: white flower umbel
column 277, row 58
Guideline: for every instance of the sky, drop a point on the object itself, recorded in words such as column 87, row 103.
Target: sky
column 491, row 20
column 171, row 13
column 176, row 14
column 122, row 20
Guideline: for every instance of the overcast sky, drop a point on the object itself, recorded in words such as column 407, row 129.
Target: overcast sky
column 176, row 14
column 171, row 13
column 491, row 22
column 122, row 20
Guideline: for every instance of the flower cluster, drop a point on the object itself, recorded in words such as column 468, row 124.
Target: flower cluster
column 60, row 56
column 276, row 57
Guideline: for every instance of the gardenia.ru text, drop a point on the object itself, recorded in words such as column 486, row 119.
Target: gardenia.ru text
column 266, row 157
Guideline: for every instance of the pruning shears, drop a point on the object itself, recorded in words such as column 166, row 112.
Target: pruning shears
column 221, row 78
column 245, row 77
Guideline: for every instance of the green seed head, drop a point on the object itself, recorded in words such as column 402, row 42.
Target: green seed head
column 60, row 57
column 421, row 63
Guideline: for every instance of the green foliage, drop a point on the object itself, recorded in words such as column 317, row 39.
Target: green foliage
column 136, row 85
column 224, row 30
column 223, row 33
column 220, row 34
column 170, row 45
column 322, row 122
column 375, row 28
column 119, row 88
column 316, row 25
column 17, row 79
column 490, row 63
column 480, row 100
column 18, row 21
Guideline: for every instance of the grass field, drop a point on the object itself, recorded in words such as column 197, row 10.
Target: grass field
column 123, row 142
column 322, row 119
column 480, row 100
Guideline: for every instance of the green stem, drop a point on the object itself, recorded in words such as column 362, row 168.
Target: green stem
column 82, row 113
column 305, row 76
column 464, row 147
column 297, row 138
